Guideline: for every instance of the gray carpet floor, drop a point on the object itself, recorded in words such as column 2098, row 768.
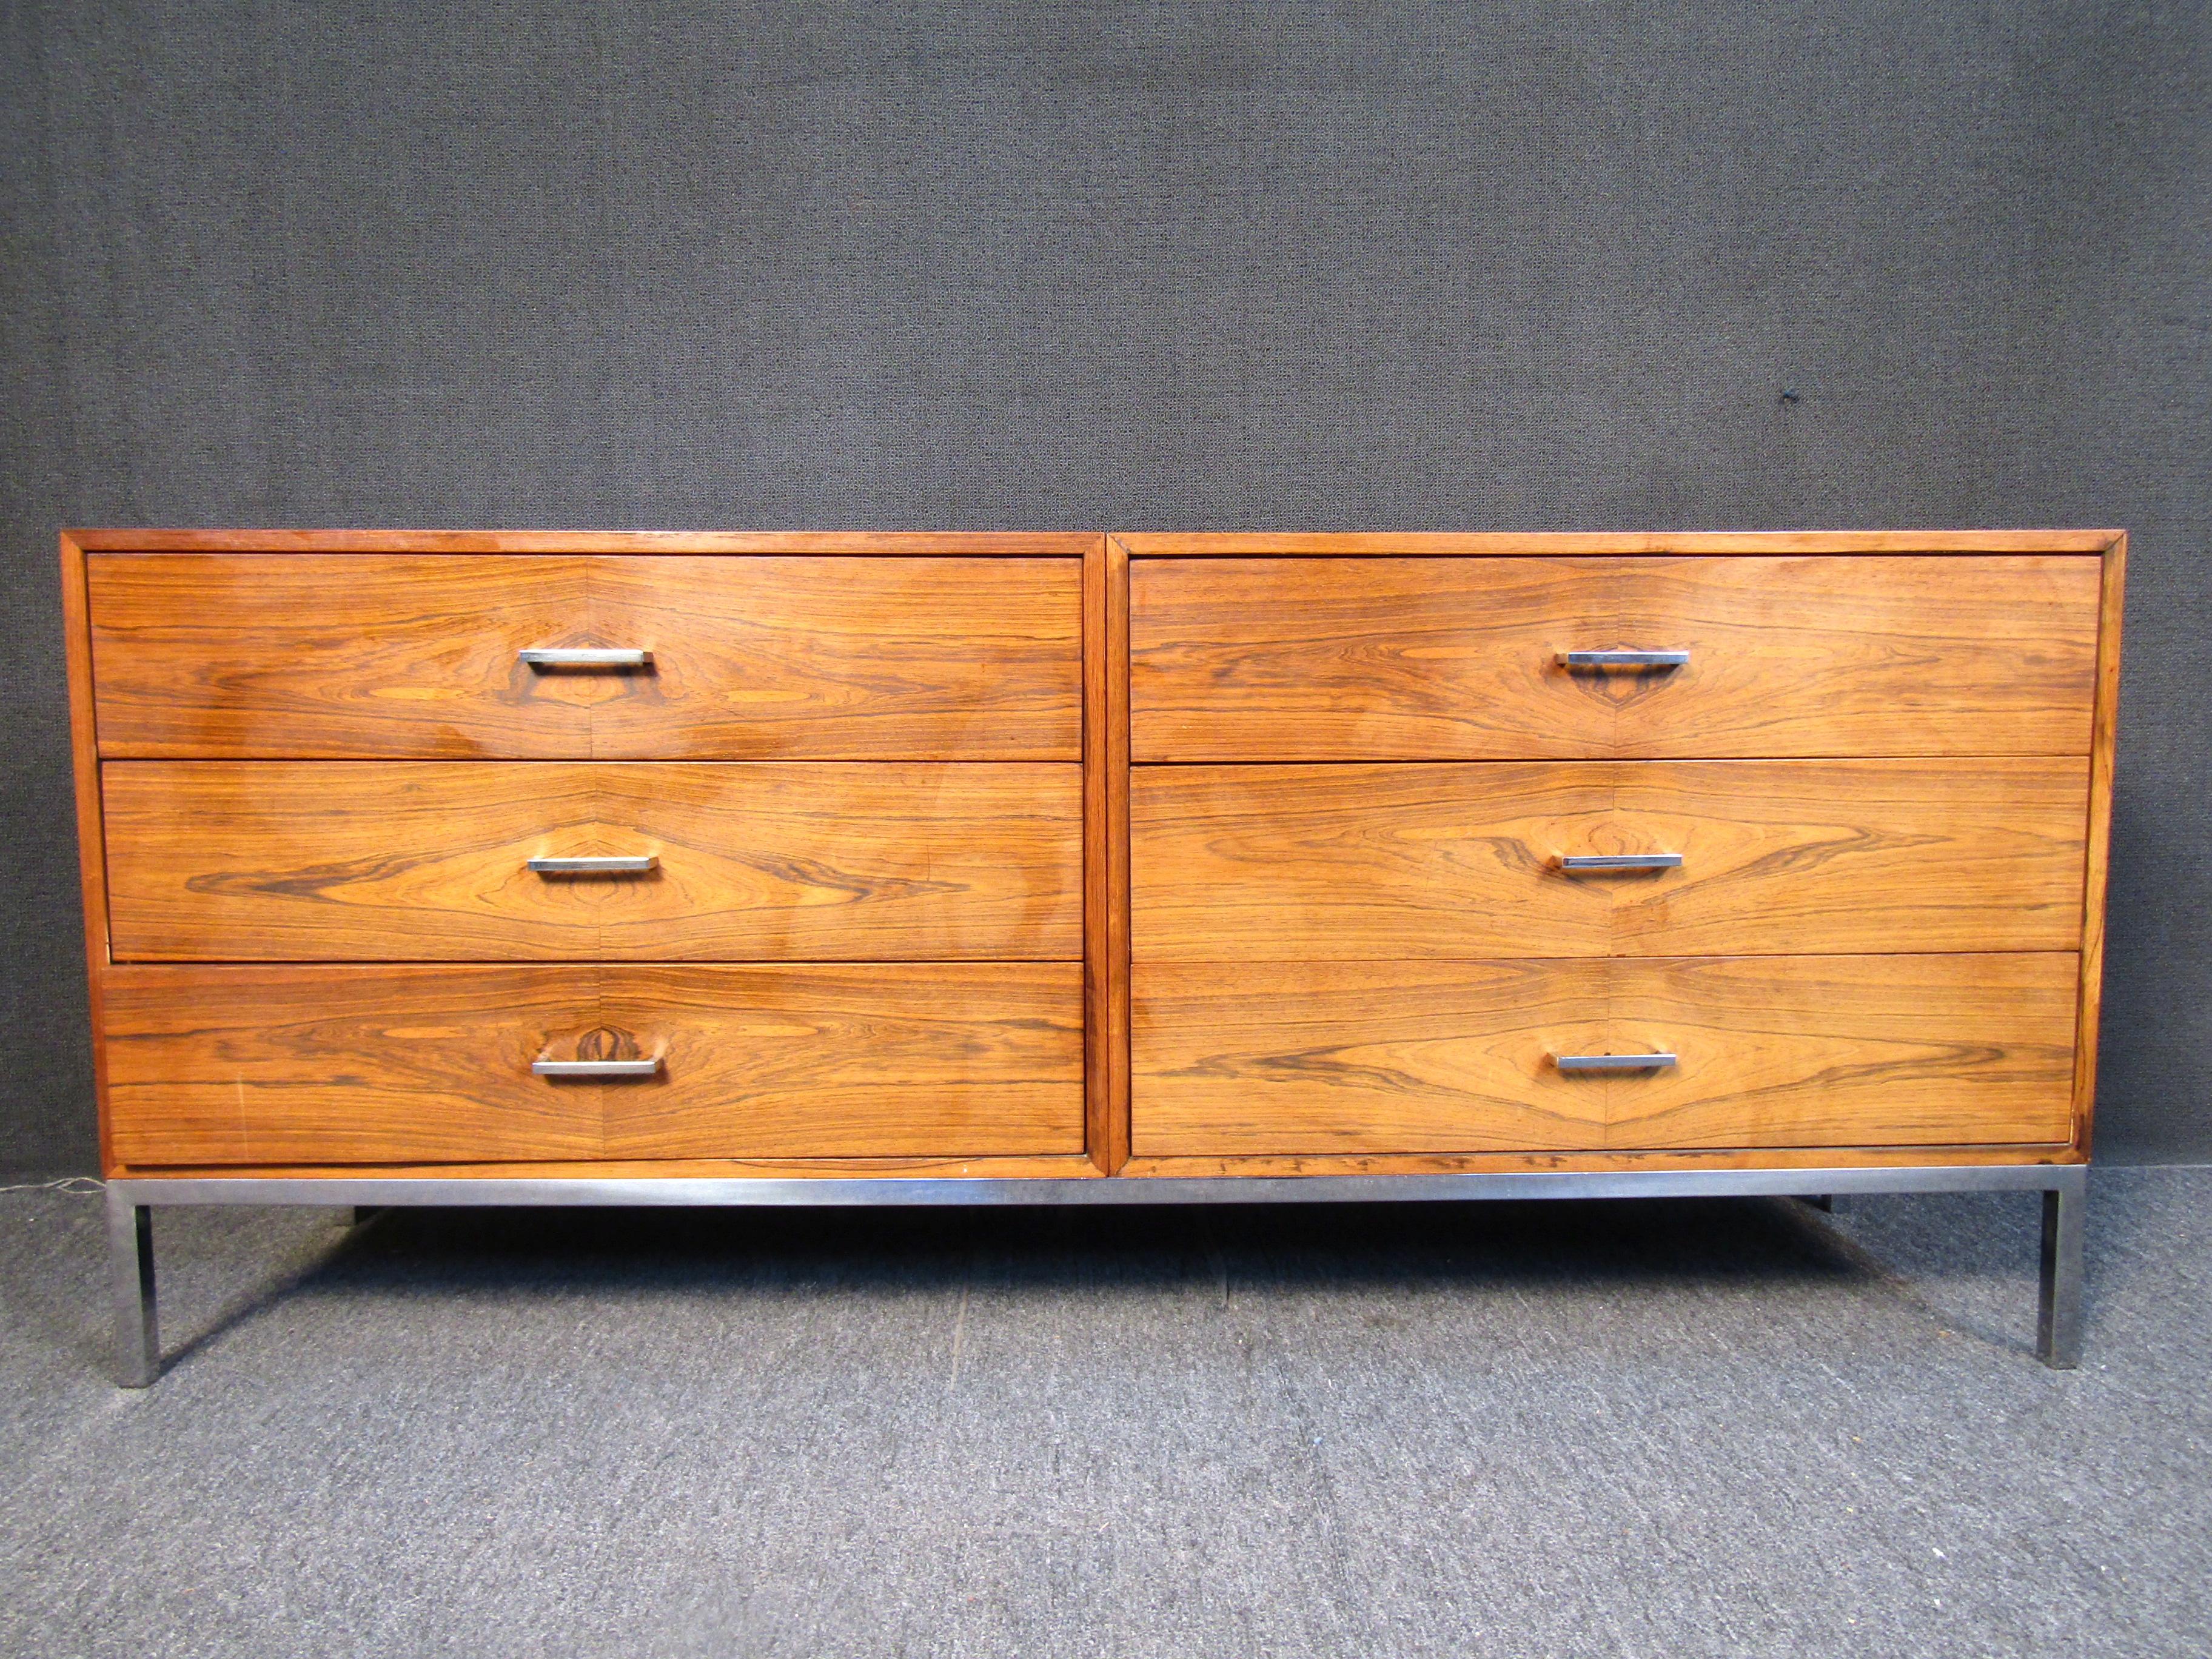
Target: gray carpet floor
column 1688, row 1428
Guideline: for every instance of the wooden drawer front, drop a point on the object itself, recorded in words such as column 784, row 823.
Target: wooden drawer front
column 374, row 655
column 1383, row 659
column 1774, row 1051
column 307, row 860
column 1291, row 863
column 1840, row 1051
column 1228, row 1057
column 353, row 1065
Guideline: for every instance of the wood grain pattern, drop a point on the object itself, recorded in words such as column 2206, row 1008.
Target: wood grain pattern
column 1079, row 1166
column 871, row 543
column 235, row 1065
column 1896, row 667
column 1247, row 1057
column 1463, row 860
column 91, row 834
column 1539, row 1162
column 968, row 1059
column 764, row 659
column 2098, row 854
column 1106, row 850
column 1846, row 1050
column 1570, row 543
column 206, row 655
column 1328, row 659
column 325, row 861
column 1049, row 1166
column 1776, row 1051
column 221, row 1065
column 415, row 656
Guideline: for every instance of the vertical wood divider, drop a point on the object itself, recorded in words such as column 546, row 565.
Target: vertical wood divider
column 1106, row 851
column 2103, row 732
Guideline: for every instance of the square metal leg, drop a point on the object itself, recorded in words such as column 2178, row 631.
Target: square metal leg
column 2058, row 1323
column 130, row 1283
column 2064, row 1188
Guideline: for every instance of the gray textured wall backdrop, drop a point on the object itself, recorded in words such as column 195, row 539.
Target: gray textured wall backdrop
column 1409, row 266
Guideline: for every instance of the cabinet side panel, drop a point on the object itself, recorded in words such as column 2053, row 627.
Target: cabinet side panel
column 2103, row 736
column 91, row 837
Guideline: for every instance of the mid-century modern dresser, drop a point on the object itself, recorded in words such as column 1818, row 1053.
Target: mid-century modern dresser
column 452, row 868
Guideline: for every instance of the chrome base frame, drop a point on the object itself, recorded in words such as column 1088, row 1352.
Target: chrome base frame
column 130, row 1203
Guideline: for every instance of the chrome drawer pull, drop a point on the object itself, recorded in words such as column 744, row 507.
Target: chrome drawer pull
column 1614, row 1062
column 1624, row 658
column 596, row 1067
column 565, row 657
column 1622, row 861
column 596, row 866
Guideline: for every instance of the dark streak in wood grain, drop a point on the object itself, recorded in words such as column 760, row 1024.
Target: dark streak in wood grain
column 1439, row 860
column 1375, row 658
column 314, row 860
column 1283, row 1059
column 397, row 656
column 351, row 1065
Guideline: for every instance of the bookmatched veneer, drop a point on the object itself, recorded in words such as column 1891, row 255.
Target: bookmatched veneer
column 247, row 1066
column 346, row 861
column 393, row 655
column 1405, row 658
column 1444, row 860
column 1866, row 1051
column 775, row 867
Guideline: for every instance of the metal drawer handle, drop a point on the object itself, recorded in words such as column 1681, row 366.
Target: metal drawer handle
column 1624, row 659
column 566, row 656
column 596, row 866
column 1614, row 1062
column 596, row 1067
column 1621, row 861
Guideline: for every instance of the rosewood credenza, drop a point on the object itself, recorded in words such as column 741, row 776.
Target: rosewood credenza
column 440, row 867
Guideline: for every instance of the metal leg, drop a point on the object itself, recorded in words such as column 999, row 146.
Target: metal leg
column 360, row 1215
column 2059, row 1324
column 1826, row 1201
column 131, row 1282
